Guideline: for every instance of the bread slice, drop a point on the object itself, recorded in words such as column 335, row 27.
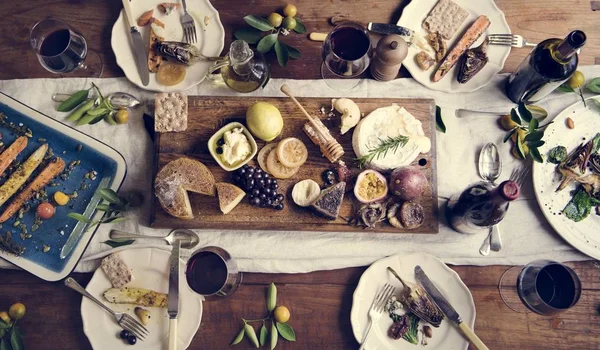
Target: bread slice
column 116, row 270
column 154, row 60
column 229, row 196
column 175, row 179
column 329, row 201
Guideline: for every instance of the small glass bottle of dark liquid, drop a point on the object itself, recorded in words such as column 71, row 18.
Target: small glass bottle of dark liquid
column 481, row 206
column 550, row 64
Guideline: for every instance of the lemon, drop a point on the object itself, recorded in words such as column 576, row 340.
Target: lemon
column 17, row 311
column 264, row 121
column 282, row 314
column 170, row 74
column 290, row 10
column 275, row 19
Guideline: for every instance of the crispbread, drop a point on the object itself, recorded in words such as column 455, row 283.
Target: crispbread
column 445, row 18
column 116, row 270
column 178, row 177
column 170, row 112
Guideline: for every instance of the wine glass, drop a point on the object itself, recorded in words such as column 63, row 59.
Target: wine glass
column 545, row 287
column 346, row 53
column 61, row 50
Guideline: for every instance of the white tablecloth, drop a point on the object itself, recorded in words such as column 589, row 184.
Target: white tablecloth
column 526, row 234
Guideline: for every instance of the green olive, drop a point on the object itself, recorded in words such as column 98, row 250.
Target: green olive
column 576, row 80
column 4, row 317
column 122, row 116
column 275, row 19
column 289, row 23
column 17, row 311
column 290, row 10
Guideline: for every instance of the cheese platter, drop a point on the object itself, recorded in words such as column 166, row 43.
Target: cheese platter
column 309, row 135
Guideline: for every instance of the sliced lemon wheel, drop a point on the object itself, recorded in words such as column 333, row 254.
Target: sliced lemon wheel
column 292, row 152
column 277, row 169
column 263, row 154
column 170, row 74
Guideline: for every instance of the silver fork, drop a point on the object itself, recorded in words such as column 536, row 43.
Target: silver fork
column 124, row 320
column 189, row 26
column 377, row 308
column 508, row 40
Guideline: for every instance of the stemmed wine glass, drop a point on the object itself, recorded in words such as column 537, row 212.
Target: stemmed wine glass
column 346, row 53
column 543, row 286
column 61, row 50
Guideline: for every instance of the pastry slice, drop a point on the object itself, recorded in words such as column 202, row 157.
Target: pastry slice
column 229, row 196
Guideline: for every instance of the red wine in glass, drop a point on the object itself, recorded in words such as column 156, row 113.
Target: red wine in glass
column 346, row 51
column 212, row 272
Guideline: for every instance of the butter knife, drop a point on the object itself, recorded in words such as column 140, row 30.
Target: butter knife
column 173, row 298
column 79, row 228
column 446, row 308
column 139, row 49
column 384, row 28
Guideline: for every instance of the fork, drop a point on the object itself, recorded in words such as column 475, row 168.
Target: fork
column 508, row 40
column 124, row 320
column 376, row 309
column 189, row 26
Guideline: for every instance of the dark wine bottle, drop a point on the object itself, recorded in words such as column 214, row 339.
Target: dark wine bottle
column 550, row 64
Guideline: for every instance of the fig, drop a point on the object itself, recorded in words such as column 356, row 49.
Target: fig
column 408, row 183
column 370, row 186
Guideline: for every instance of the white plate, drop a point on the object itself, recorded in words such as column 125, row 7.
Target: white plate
column 150, row 268
column 211, row 39
column 447, row 336
column 581, row 235
column 413, row 16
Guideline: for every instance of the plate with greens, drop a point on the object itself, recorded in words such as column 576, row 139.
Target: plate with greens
column 445, row 336
column 567, row 183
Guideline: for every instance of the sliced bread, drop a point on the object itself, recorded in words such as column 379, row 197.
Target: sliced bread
column 178, row 177
column 116, row 270
column 229, row 196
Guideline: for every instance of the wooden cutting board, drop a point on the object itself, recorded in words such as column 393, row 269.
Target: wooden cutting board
column 208, row 114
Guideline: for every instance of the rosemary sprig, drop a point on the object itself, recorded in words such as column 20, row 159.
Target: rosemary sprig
column 385, row 145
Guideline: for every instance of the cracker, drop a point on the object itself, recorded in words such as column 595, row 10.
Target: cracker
column 445, row 18
column 116, row 270
column 170, row 112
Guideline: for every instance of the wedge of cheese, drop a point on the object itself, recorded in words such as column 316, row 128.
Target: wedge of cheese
column 157, row 29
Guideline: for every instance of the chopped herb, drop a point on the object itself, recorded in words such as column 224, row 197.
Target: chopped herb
column 580, row 206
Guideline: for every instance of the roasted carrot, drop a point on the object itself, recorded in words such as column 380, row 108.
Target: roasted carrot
column 23, row 172
column 471, row 35
column 45, row 176
column 12, row 152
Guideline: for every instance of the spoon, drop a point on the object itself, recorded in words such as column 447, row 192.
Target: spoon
column 189, row 239
column 117, row 99
column 490, row 167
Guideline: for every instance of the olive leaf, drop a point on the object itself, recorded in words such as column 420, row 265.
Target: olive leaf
column 16, row 342
column 4, row 345
column 594, row 85
column 3, row 325
column 103, row 207
column 439, row 122
column 596, row 103
column 263, row 335
column 271, row 297
column 294, row 52
column 535, row 154
column 73, row 101
column 283, row 55
column 110, row 196
column 114, row 220
column 239, row 337
column 536, row 143
column 520, row 148
column 249, row 35
column 286, row 331
column 533, row 124
column 509, row 134
column 251, row 335
column 116, row 244
column 514, row 116
column 300, row 27
column 274, row 336
column 538, row 112
column 79, row 217
column 266, row 43
column 258, row 23
column 534, row 136
column 565, row 88
column 524, row 113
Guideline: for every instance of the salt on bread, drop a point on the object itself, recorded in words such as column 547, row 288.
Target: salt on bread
column 116, row 270
column 175, row 179
column 445, row 18
column 170, row 112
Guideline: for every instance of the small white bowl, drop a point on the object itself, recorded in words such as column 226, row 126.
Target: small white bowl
column 212, row 146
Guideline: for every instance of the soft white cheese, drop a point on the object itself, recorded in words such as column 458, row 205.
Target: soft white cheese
column 236, row 147
column 390, row 122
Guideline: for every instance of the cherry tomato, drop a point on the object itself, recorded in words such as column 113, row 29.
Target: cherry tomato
column 45, row 210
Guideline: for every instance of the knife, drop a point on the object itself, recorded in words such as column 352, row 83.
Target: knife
column 446, row 308
column 79, row 228
column 173, row 298
column 139, row 49
column 384, row 28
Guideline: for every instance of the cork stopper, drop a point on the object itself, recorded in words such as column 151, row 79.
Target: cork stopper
column 510, row 190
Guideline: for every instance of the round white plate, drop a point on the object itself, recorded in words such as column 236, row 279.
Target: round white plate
column 581, row 235
column 446, row 337
column 150, row 268
column 211, row 39
column 413, row 16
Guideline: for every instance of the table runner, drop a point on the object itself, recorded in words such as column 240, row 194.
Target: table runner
column 526, row 234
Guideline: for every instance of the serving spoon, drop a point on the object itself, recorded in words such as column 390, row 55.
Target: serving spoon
column 490, row 167
column 189, row 239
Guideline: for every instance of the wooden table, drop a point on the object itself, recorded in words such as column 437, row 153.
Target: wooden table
column 320, row 302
